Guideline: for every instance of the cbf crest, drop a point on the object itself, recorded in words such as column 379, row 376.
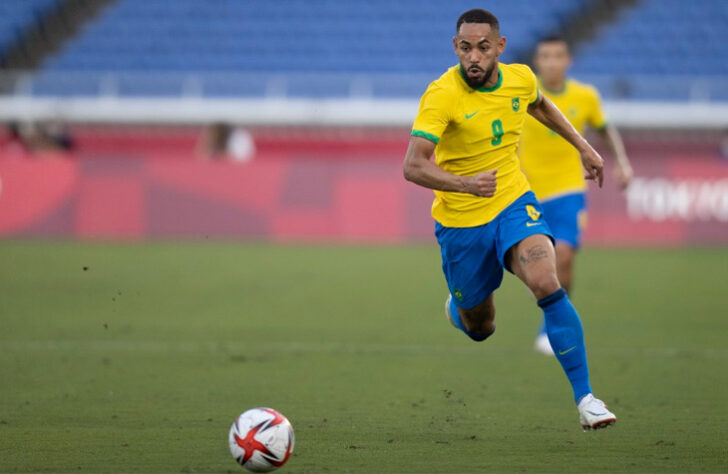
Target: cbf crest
column 516, row 103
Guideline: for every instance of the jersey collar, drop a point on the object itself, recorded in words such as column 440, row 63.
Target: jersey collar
column 484, row 89
column 554, row 93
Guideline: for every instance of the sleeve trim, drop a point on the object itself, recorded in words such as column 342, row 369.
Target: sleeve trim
column 601, row 127
column 419, row 133
column 538, row 96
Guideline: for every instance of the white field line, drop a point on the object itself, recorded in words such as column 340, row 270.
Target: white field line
column 234, row 347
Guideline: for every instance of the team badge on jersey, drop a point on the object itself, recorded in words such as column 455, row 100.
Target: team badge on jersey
column 516, row 103
column 532, row 212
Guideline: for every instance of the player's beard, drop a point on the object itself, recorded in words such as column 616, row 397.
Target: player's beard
column 478, row 83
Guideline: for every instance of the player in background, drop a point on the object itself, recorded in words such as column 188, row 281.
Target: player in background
column 487, row 218
column 553, row 166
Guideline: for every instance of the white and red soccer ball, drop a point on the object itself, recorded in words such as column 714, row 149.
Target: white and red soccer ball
column 261, row 440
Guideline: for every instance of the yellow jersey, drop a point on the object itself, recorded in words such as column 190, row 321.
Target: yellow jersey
column 477, row 130
column 552, row 164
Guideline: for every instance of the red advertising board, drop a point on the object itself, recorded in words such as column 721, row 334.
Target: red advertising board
column 674, row 200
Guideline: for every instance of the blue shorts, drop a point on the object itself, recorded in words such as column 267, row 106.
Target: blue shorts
column 473, row 258
column 566, row 216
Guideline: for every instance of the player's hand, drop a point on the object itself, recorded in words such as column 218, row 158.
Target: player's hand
column 593, row 164
column 623, row 175
column 482, row 184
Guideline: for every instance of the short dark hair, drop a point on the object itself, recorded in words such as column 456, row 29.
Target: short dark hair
column 554, row 39
column 478, row 15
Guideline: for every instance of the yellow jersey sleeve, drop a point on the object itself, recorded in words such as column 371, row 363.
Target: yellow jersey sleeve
column 533, row 97
column 435, row 113
column 597, row 118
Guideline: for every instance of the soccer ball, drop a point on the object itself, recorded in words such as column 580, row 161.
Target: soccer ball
column 261, row 440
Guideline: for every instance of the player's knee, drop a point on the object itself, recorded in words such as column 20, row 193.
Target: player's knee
column 544, row 284
column 482, row 327
column 480, row 337
column 480, row 322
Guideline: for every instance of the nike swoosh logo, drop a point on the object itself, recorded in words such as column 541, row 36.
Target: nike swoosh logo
column 596, row 414
column 566, row 352
column 469, row 116
column 531, row 224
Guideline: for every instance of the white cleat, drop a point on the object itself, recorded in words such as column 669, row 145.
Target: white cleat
column 593, row 413
column 447, row 311
column 542, row 345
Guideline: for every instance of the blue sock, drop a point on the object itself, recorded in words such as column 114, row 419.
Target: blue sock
column 542, row 328
column 456, row 319
column 563, row 327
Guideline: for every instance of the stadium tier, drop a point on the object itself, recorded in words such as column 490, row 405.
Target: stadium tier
column 380, row 48
column 16, row 16
column 673, row 39
column 291, row 35
column 661, row 37
column 215, row 39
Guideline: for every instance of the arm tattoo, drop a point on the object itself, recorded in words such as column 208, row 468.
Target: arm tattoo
column 534, row 254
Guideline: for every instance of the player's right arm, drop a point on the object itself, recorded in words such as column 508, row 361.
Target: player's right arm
column 420, row 169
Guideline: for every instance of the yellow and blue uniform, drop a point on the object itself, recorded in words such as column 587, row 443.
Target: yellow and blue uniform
column 553, row 165
column 477, row 130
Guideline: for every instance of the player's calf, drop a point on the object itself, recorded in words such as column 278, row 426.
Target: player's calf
column 565, row 264
column 566, row 335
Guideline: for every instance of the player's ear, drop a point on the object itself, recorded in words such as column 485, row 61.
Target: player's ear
column 455, row 43
column 501, row 45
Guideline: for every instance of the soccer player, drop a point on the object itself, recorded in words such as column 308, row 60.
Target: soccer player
column 487, row 218
column 552, row 165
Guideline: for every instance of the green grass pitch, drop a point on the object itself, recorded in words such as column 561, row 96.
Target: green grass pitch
column 141, row 362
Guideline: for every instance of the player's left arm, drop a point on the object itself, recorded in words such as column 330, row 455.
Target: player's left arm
column 623, row 171
column 543, row 110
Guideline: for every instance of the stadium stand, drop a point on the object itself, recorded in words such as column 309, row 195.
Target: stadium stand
column 217, row 38
column 17, row 16
column 669, row 38
column 232, row 35
column 391, row 48
column 662, row 37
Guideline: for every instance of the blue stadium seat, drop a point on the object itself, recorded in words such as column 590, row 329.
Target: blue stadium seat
column 284, row 36
column 661, row 37
column 17, row 16
column 214, row 40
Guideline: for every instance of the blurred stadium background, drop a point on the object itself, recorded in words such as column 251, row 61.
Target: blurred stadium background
column 313, row 100
column 252, row 123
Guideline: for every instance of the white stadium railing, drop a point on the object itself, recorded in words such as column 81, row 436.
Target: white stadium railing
column 317, row 99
